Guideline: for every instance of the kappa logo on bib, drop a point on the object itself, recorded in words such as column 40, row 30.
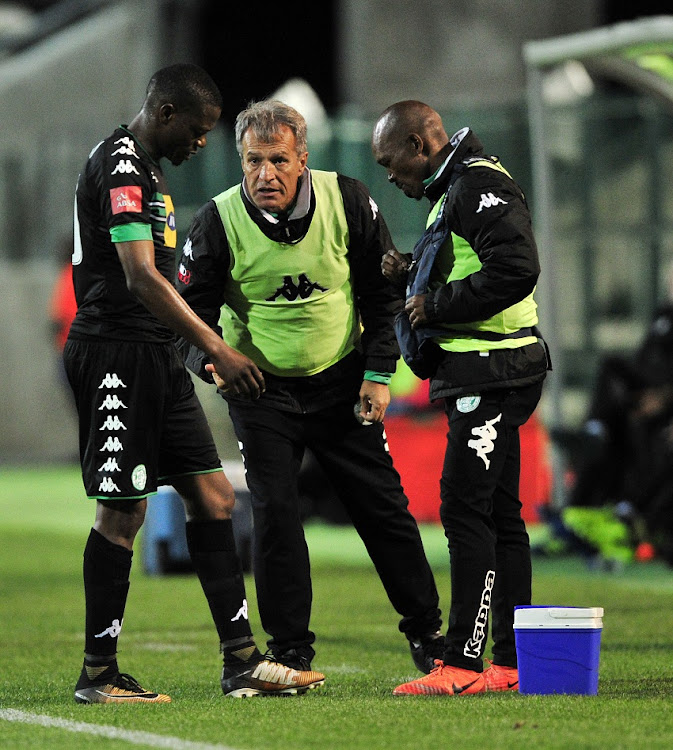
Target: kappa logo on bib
column 466, row 404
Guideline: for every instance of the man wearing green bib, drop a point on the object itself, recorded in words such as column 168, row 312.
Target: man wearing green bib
column 286, row 266
column 469, row 325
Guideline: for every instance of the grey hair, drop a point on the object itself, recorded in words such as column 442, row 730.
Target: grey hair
column 265, row 118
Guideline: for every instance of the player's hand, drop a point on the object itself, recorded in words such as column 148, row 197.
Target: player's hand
column 394, row 266
column 374, row 400
column 415, row 309
column 237, row 374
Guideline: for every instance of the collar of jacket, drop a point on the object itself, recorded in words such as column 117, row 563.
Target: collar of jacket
column 286, row 228
column 469, row 146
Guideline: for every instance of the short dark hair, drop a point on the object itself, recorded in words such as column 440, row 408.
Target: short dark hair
column 265, row 118
column 188, row 87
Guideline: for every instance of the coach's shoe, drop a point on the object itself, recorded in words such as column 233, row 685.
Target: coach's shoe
column 499, row 679
column 105, row 684
column 426, row 649
column 444, row 680
column 294, row 658
column 267, row 677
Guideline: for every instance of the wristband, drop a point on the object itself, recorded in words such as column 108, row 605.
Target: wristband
column 378, row 377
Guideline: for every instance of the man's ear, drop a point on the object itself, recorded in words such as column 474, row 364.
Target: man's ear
column 166, row 113
column 416, row 143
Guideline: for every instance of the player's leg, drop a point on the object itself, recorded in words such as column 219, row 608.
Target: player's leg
column 513, row 556
column 190, row 463
column 476, row 450
column 209, row 500
column 356, row 459
column 272, row 444
column 107, row 380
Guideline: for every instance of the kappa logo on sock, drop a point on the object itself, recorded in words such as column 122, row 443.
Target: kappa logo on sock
column 486, row 434
column 113, row 631
column 242, row 612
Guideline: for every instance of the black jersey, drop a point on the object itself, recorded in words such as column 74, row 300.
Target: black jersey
column 121, row 197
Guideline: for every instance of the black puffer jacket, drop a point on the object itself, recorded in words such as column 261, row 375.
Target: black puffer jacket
column 488, row 209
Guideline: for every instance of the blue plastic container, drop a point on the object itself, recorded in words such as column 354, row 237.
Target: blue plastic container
column 558, row 649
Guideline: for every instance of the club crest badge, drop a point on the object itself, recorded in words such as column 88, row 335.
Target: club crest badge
column 466, row 404
column 139, row 477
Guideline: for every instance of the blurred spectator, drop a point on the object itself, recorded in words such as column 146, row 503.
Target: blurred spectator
column 62, row 306
column 621, row 501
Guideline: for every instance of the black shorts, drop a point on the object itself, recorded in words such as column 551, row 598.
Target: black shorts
column 140, row 421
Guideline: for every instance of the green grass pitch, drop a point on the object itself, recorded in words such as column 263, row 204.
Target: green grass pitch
column 169, row 644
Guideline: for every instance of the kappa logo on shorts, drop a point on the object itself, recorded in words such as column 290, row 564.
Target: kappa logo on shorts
column 112, row 423
column 110, row 465
column 112, row 402
column 108, row 485
column 111, row 380
column 112, row 444
column 139, row 477
column 486, row 434
column 466, row 404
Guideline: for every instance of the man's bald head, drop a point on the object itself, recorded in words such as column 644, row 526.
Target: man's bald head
column 402, row 119
column 409, row 140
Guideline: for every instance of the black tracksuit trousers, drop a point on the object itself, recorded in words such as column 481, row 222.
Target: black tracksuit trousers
column 355, row 458
column 480, row 509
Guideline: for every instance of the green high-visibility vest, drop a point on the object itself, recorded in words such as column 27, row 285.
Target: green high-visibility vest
column 456, row 260
column 290, row 307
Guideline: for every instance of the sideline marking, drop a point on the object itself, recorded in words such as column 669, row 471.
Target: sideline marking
column 101, row 730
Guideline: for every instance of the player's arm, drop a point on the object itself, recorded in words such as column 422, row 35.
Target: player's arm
column 201, row 280
column 240, row 374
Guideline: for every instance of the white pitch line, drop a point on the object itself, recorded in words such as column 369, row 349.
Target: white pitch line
column 101, row 730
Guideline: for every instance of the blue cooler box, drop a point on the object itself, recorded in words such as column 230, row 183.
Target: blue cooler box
column 558, row 649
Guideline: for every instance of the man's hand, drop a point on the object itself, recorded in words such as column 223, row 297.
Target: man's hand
column 415, row 309
column 374, row 400
column 394, row 266
column 234, row 373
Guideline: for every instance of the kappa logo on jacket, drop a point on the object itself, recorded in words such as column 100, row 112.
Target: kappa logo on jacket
column 188, row 250
column 303, row 289
column 488, row 200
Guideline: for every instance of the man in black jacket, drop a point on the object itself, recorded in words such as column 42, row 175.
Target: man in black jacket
column 469, row 325
column 286, row 266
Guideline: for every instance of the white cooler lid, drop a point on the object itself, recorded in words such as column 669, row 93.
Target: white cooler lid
column 558, row 617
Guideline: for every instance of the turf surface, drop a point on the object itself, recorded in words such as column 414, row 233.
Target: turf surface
column 170, row 645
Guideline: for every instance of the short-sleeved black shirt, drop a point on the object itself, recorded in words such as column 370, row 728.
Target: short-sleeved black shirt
column 121, row 196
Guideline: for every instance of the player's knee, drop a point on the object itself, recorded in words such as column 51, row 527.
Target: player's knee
column 208, row 497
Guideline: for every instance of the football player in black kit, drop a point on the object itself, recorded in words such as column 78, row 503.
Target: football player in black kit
column 140, row 422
